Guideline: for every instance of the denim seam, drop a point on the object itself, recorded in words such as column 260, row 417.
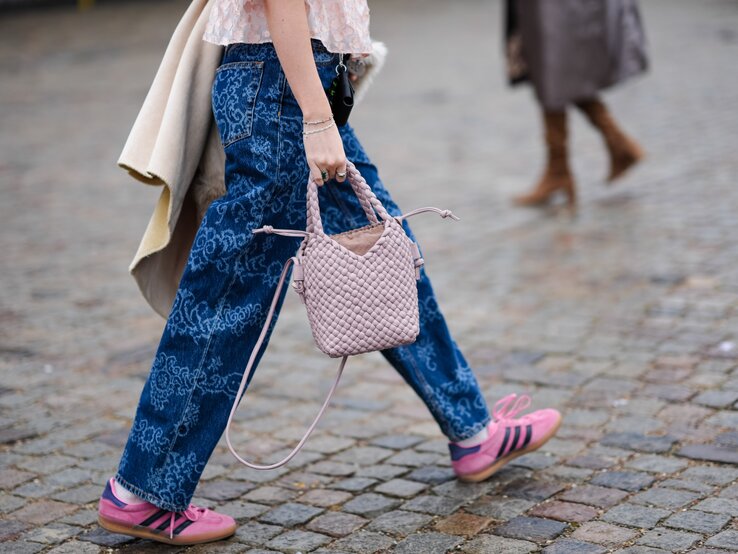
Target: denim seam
column 221, row 303
column 242, row 63
column 186, row 405
column 282, row 78
column 205, row 354
column 212, row 332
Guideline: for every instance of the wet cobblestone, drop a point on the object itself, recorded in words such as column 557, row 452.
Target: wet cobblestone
column 605, row 534
column 337, row 524
column 462, row 523
column 531, row 528
column 669, row 540
column 400, row 523
column 568, row 546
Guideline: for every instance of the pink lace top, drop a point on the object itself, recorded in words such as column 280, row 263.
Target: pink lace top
column 341, row 25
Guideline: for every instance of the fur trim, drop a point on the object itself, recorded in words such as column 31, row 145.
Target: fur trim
column 374, row 63
column 204, row 192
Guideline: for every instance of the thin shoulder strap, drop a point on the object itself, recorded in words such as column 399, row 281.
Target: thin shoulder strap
column 248, row 372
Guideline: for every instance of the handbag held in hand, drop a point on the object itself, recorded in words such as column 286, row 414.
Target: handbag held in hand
column 359, row 288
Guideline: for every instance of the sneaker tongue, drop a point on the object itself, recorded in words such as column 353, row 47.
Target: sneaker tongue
column 193, row 513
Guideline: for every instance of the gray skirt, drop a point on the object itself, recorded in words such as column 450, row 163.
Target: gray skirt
column 572, row 49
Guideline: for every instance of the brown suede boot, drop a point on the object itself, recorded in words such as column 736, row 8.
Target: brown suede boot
column 624, row 151
column 557, row 175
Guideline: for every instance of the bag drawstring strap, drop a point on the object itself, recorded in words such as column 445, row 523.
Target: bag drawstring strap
column 443, row 213
column 417, row 258
column 248, row 372
column 268, row 229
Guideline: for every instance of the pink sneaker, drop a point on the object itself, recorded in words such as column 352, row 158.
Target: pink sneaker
column 508, row 439
column 193, row 526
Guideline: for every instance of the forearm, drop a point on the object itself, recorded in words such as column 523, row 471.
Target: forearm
column 288, row 26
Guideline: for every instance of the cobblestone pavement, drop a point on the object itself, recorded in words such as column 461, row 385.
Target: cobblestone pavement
column 624, row 317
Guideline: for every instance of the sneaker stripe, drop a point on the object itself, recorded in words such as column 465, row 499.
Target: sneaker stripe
column 183, row 526
column 164, row 524
column 516, row 438
column 503, row 446
column 180, row 522
column 153, row 518
column 528, row 435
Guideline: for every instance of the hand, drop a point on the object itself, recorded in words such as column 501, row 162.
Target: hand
column 288, row 26
column 324, row 153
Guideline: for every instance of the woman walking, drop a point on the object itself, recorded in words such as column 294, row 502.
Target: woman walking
column 571, row 50
column 277, row 128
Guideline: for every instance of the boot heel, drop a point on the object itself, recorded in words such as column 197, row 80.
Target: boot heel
column 557, row 176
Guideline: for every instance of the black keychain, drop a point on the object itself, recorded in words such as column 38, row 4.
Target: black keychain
column 341, row 93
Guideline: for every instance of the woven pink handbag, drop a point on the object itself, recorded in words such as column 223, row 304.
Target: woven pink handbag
column 359, row 288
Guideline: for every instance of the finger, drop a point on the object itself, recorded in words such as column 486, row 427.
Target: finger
column 315, row 173
column 341, row 173
column 336, row 168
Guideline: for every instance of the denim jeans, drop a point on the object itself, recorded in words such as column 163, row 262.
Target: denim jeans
column 231, row 276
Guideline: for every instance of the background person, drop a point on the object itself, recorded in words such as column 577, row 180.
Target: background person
column 570, row 50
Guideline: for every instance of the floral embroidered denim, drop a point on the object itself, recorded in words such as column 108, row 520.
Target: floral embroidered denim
column 231, row 275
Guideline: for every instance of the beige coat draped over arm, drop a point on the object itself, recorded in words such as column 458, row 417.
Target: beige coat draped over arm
column 174, row 144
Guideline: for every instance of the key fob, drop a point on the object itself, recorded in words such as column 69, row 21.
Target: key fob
column 341, row 96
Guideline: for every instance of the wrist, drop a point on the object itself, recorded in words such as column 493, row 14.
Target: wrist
column 314, row 122
column 317, row 113
column 318, row 127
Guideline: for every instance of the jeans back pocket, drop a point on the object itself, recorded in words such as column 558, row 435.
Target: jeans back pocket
column 234, row 93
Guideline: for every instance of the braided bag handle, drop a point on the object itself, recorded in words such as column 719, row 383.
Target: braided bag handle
column 368, row 200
